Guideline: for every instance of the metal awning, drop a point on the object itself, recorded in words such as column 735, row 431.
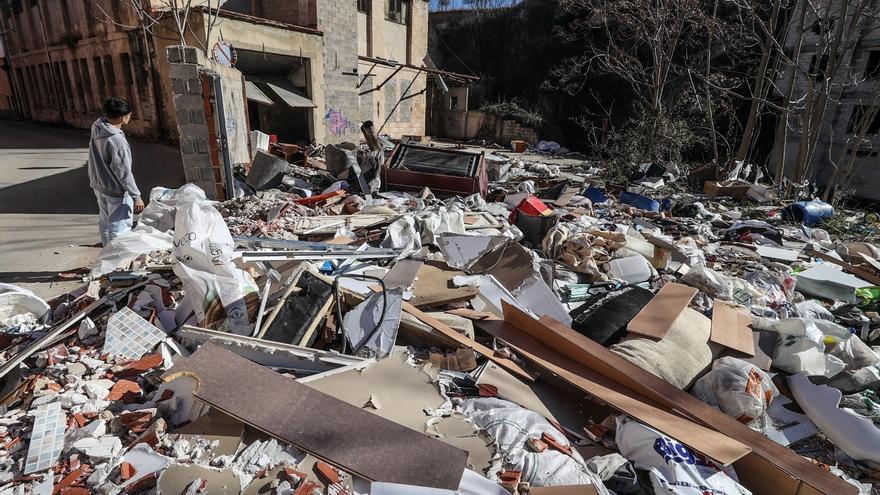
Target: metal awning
column 256, row 94
column 283, row 90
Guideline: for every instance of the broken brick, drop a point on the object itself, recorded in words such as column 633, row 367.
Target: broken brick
column 327, row 472
column 125, row 390
column 126, row 471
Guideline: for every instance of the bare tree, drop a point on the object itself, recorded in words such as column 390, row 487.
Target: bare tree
column 150, row 13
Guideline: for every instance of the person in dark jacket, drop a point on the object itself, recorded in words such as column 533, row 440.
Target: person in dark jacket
column 110, row 174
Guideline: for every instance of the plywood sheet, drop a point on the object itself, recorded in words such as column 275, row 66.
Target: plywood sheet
column 730, row 328
column 343, row 435
column 402, row 274
column 655, row 319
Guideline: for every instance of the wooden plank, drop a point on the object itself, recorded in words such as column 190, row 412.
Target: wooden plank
column 580, row 349
column 707, row 441
column 507, row 364
column 655, row 319
column 730, row 328
column 402, row 274
column 349, row 437
column 473, row 314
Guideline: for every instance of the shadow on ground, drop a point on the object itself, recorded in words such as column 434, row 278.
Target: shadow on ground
column 68, row 192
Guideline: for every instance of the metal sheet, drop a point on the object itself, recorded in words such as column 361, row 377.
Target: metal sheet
column 256, row 94
column 284, row 90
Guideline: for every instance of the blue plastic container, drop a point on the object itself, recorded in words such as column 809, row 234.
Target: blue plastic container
column 595, row 195
column 808, row 212
column 639, row 201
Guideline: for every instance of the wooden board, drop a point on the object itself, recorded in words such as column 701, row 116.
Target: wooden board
column 655, row 319
column 700, row 438
column 730, row 328
column 574, row 346
column 348, row 437
column 433, row 286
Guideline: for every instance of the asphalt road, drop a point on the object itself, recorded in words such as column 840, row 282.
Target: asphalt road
column 48, row 213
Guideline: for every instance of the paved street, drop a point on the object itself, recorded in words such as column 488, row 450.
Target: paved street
column 48, row 214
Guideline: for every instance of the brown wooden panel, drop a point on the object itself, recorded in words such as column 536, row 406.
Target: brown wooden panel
column 655, row 319
column 355, row 440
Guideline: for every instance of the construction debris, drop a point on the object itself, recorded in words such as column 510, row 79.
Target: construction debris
column 358, row 325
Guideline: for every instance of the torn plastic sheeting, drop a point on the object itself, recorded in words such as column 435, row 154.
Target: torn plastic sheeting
column 203, row 248
column 672, row 466
column 491, row 293
column 786, row 426
column 582, row 248
column 511, row 426
column 380, row 308
column 858, row 436
column 536, row 296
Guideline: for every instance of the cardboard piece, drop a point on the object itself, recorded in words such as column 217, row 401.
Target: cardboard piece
column 398, row 392
column 213, row 427
column 433, row 286
column 351, row 438
column 511, row 265
column 177, row 477
column 658, row 315
column 730, row 328
column 779, row 254
column 770, row 469
column 700, row 438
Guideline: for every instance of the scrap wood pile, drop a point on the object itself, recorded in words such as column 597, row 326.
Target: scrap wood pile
column 409, row 326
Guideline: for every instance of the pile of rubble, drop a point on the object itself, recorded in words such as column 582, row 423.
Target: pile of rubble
column 432, row 320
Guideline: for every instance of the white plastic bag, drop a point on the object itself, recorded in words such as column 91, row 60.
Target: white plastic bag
column 511, row 426
column 673, row 467
column 203, row 249
column 738, row 388
column 800, row 345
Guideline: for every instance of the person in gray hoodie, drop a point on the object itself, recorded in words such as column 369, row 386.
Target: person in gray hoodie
column 110, row 174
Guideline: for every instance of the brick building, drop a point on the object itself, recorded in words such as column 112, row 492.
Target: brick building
column 311, row 66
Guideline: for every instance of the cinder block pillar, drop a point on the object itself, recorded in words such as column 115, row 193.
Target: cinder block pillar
column 338, row 20
column 192, row 126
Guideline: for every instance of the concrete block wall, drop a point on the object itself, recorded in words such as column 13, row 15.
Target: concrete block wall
column 338, row 21
column 189, row 107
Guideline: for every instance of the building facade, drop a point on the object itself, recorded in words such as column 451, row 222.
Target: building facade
column 309, row 66
column 854, row 90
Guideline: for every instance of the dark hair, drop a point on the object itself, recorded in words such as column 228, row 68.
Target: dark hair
column 116, row 107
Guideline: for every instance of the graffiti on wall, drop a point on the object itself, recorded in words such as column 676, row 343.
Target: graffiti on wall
column 338, row 123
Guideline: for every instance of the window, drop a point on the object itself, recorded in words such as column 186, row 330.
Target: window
column 99, row 79
column 872, row 67
column 110, row 74
column 65, row 16
column 81, row 91
column 87, row 80
column 63, row 93
column 127, row 78
column 363, row 6
column 398, row 10
column 858, row 116
column 68, row 91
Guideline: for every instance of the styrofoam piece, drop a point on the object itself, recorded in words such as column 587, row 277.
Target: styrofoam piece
column 145, row 462
column 47, row 438
column 793, row 427
column 130, row 336
column 633, row 269
column 856, row 435
column 780, row 254
column 826, row 282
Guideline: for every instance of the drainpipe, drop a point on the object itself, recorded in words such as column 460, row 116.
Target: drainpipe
column 58, row 97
